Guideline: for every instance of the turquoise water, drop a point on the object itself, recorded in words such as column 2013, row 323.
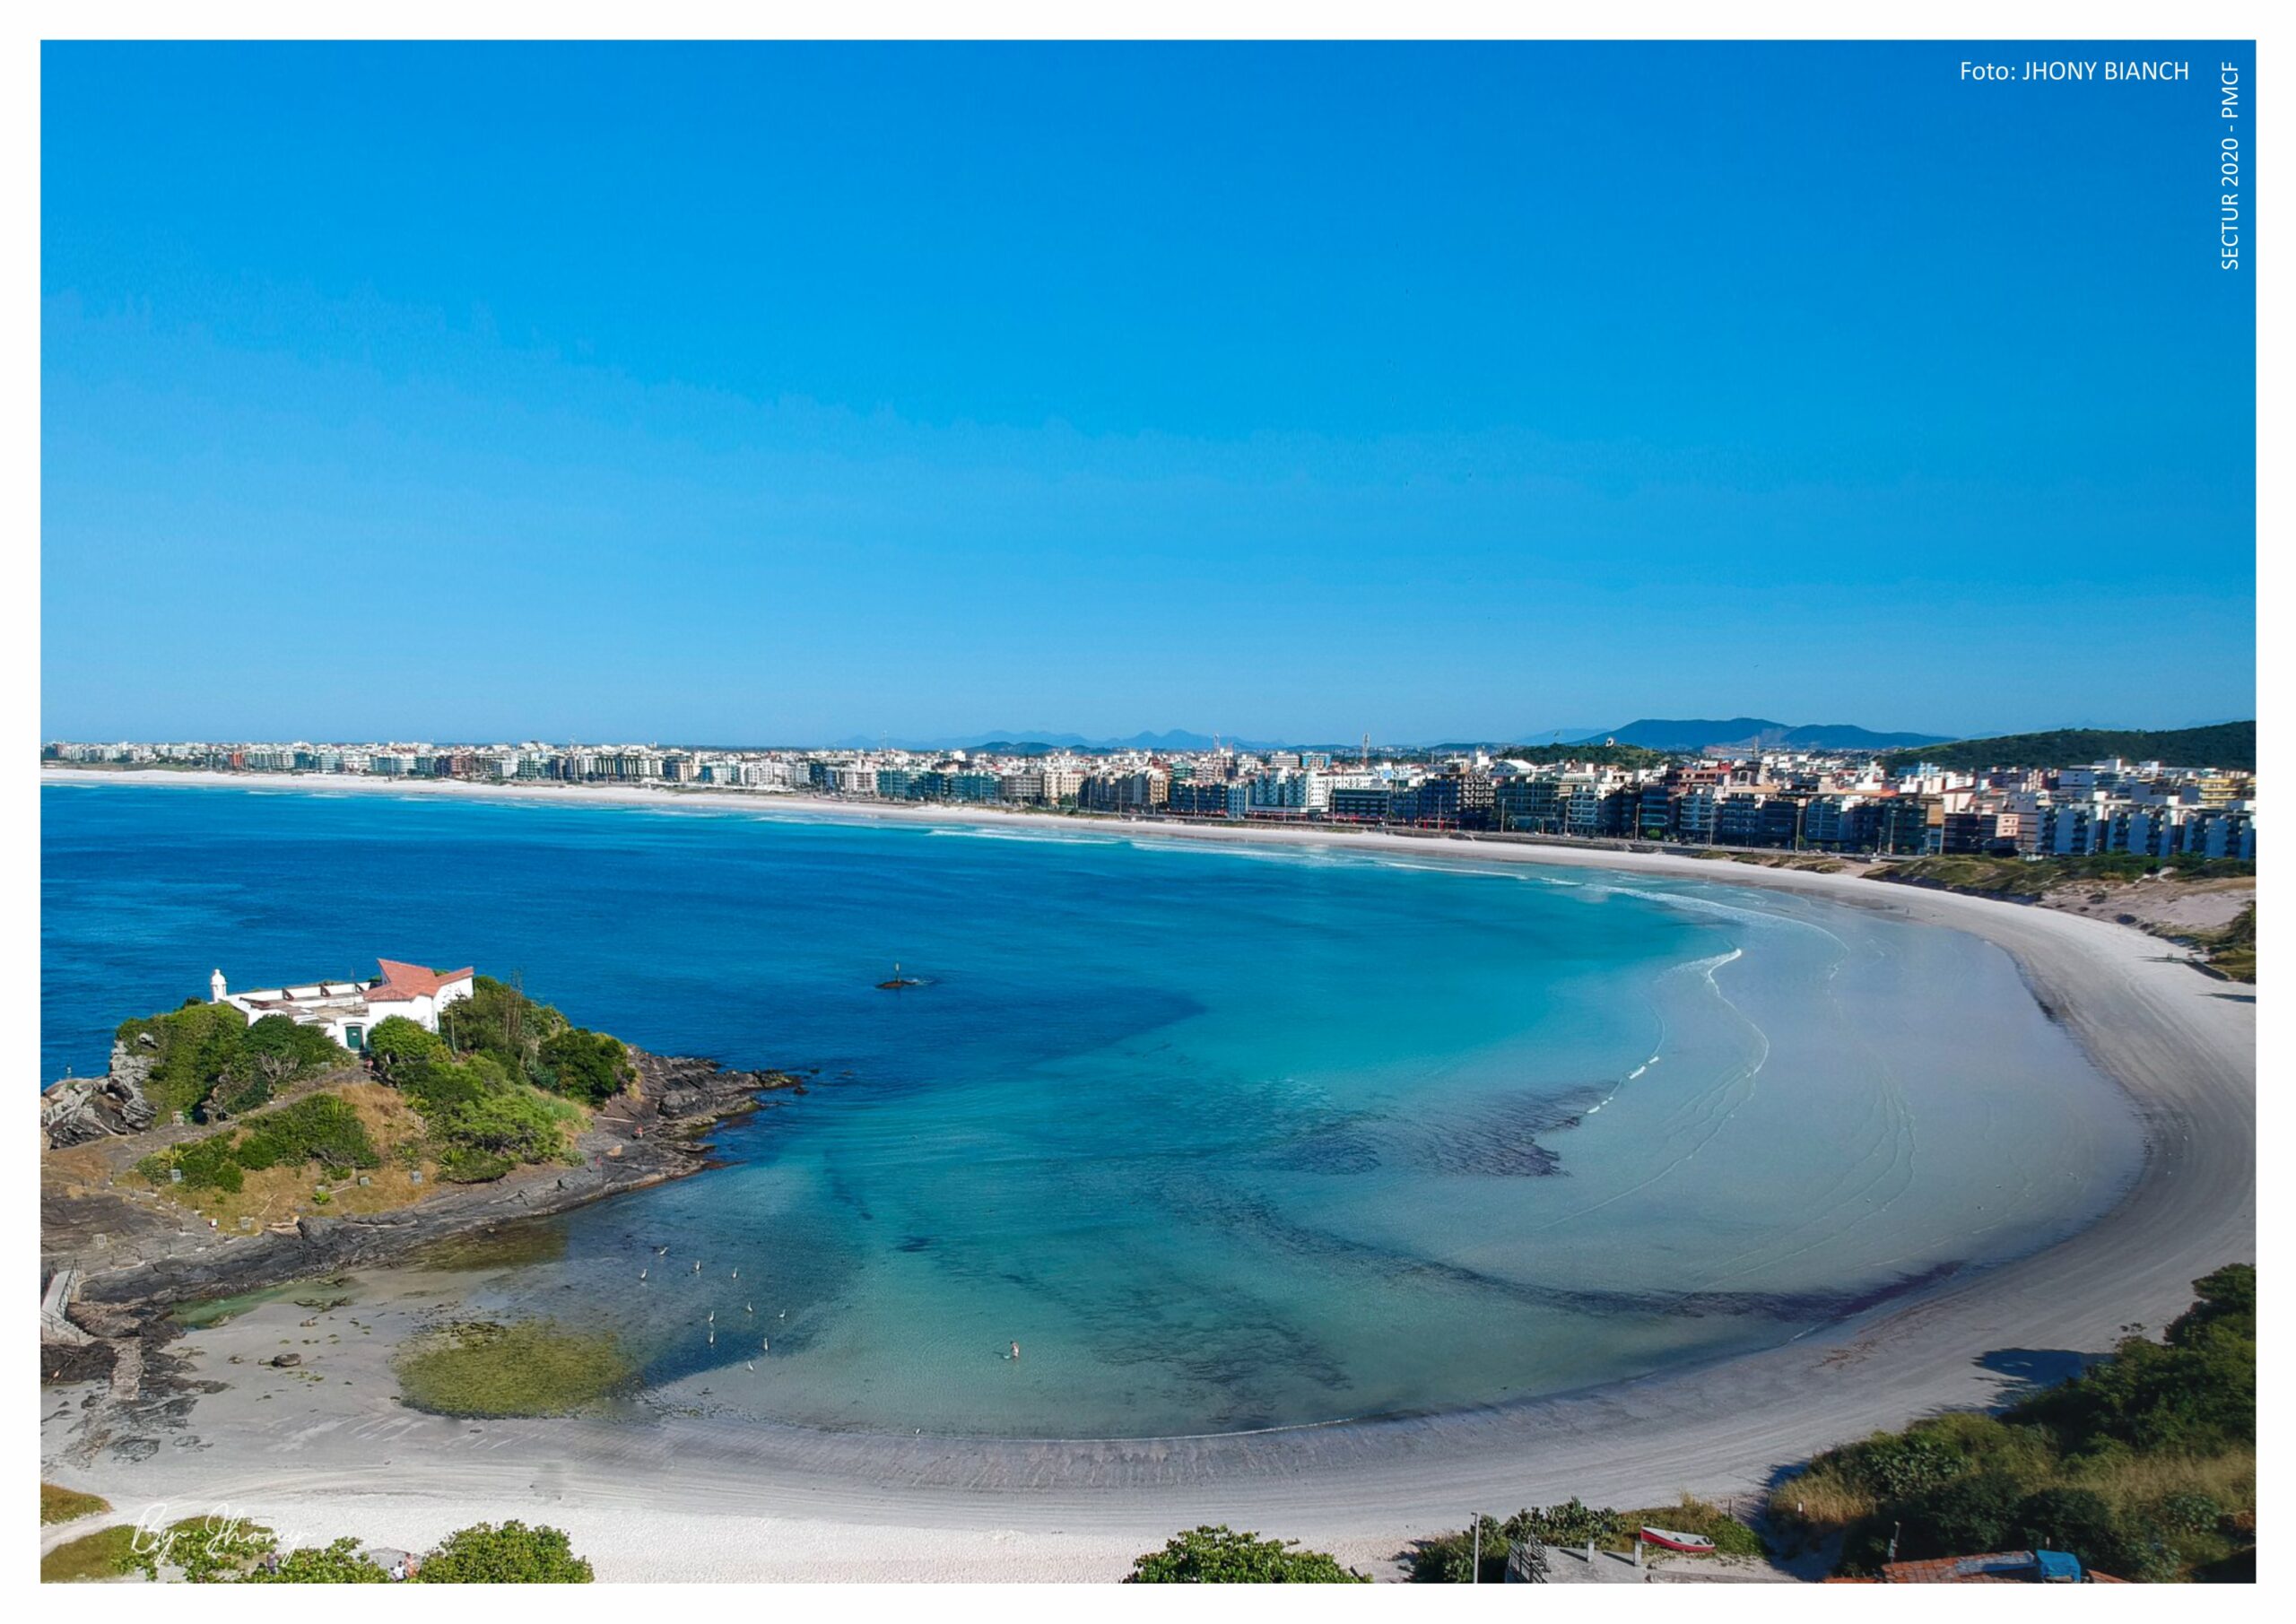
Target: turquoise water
column 1224, row 1138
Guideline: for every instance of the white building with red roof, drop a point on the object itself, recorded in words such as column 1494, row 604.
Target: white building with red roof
column 347, row 1010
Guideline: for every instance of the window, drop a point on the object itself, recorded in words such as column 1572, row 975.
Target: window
column 355, row 1038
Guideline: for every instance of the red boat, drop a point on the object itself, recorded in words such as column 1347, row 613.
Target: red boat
column 1689, row 1544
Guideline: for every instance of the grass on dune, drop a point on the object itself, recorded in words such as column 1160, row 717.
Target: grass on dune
column 105, row 1554
column 58, row 1504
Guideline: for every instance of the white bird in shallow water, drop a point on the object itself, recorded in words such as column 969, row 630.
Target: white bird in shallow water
column 641, row 1274
column 765, row 1344
column 749, row 1308
column 661, row 1251
column 737, row 1274
column 749, row 1365
column 697, row 1265
column 713, row 1316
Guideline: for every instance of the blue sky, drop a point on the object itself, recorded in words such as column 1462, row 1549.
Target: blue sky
column 784, row 394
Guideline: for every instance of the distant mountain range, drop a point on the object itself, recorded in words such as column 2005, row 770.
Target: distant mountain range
column 1657, row 733
column 1650, row 734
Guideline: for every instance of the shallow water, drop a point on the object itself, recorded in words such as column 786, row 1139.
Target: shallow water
column 1223, row 1138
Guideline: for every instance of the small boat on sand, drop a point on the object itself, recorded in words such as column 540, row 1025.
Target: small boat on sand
column 1689, row 1544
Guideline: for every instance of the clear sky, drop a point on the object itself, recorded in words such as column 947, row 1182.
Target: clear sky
column 744, row 395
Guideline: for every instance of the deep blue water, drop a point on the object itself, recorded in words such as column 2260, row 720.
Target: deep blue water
column 1224, row 1138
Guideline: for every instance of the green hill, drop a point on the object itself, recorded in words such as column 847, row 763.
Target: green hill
column 2231, row 745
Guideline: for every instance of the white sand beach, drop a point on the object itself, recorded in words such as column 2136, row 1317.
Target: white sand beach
column 681, row 1499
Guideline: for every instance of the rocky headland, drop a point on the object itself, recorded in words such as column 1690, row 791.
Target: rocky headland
column 127, row 1254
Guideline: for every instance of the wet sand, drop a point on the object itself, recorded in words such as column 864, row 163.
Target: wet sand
column 680, row 1498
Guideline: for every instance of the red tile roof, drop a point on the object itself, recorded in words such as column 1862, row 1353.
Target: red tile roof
column 404, row 983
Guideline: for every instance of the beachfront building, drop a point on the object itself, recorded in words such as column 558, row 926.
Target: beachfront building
column 347, row 1010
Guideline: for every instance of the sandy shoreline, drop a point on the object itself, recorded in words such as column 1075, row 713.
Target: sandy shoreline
column 681, row 1499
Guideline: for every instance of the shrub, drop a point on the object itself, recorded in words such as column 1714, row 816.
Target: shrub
column 585, row 1065
column 2186, row 1512
column 1219, row 1554
column 1572, row 1522
column 274, row 1053
column 190, row 1049
column 208, row 1550
column 511, row 1554
column 2131, row 1466
column 1449, row 1559
column 499, row 1021
column 324, row 1128
column 1894, row 1465
column 396, row 1046
column 2196, row 1390
column 340, row 1563
column 205, row 1164
column 517, row 1124
column 320, row 1127
column 434, row 1086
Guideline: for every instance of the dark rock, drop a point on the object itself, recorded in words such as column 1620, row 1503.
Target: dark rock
column 81, row 1109
column 285, row 1361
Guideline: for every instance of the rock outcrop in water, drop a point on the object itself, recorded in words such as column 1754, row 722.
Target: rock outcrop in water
column 81, row 1109
column 137, row 1259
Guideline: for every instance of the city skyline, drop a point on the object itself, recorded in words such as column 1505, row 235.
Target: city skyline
column 1306, row 391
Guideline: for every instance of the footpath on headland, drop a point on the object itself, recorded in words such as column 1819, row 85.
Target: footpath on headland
column 686, row 1499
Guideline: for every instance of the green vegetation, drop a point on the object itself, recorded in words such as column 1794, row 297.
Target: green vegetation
column 2036, row 877
column 1220, row 1556
column 340, row 1563
column 2229, row 745
column 397, row 1046
column 2232, row 948
column 498, row 1019
column 318, row 1127
column 511, row 1554
column 58, row 1504
column 482, row 1139
column 105, row 1554
column 481, row 1081
column 1450, row 1558
column 498, row 1089
column 2144, row 1466
column 586, row 1065
column 207, row 1062
column 203, row 1550
column 533, row 1367
column 274, row 1053
column 190, row 1048
column 210, row 1061
column 206, row 1550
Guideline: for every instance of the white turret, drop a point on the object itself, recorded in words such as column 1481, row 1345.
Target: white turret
column 216, row 987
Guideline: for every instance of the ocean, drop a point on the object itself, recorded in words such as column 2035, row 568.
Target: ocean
column 1224, row 1138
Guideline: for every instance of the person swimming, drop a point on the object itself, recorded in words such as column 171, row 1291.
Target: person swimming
column 1016, row 1351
